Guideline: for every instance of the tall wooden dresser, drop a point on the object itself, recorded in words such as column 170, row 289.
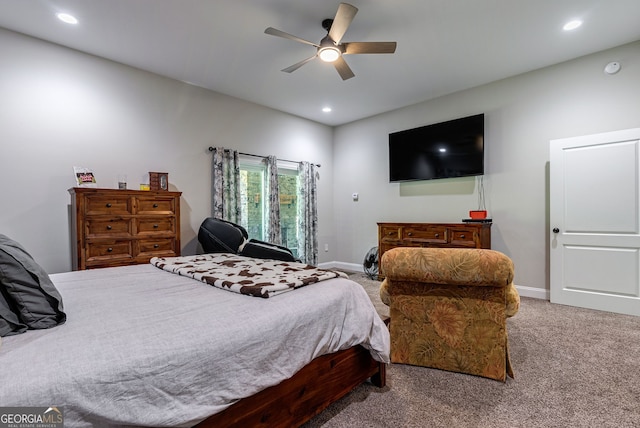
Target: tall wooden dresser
column 112, row 227
column 450, row 235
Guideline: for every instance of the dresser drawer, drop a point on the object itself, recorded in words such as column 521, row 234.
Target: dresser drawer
column 156, row 205
column 157, row 247
column 389, row 233
column 463, row 237
column 109, row 250
column 104, row 227
column 147, row 226
column 425, row 233
column 107, row 205
column 383, row 248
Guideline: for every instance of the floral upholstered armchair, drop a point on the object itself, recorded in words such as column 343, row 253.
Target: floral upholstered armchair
column 448, row 308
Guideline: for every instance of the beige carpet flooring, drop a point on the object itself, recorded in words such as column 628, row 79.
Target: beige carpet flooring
column 573, row 368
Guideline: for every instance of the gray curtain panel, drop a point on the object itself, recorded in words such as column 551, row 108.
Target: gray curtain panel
column 307, row 214
column 273, row 207
column 226, row 184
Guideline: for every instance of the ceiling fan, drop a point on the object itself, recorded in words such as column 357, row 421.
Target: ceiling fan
column 330, row 49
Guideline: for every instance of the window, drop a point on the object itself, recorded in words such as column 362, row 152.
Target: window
column 253, row 199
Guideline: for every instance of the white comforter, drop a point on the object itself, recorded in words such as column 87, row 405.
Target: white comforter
column 146, row 347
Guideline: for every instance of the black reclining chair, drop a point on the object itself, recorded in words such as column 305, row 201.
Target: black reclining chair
column 221, row 236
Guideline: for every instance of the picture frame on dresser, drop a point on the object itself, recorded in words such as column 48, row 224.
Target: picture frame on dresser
column 159, row 181
column 115, row 227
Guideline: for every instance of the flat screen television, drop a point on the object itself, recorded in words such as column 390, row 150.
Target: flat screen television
column 443, row 150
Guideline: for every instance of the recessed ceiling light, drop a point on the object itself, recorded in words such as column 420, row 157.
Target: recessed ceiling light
column 572, row 25
column 326, row 109
column 69, row 19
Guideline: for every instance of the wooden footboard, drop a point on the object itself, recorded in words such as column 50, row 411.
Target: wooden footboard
column 299, row 398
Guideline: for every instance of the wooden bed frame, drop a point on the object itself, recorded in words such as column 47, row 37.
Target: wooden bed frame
column 294, row 401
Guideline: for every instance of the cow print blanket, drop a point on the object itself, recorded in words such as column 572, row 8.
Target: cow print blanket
column 245, row 275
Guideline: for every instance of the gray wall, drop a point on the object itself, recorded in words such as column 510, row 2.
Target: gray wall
column 522, row 114
column 60, row 108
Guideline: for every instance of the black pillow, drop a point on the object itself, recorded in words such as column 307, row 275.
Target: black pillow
column 34, row 298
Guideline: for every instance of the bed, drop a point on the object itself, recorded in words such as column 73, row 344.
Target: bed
column 145, row 347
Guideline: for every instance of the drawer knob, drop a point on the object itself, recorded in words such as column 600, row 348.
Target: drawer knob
column 155, row 245
column 462, row 236
column 390, row 233
column 155, row 226
column 437, row 235
column 109, row 249
column 155, row 205
column 108, row 205
column 108, row 227
column 409, row 234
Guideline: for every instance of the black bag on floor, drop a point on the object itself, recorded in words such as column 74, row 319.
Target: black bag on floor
column 221, row 236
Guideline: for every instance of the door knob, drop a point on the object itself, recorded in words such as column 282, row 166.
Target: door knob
column 556, row 230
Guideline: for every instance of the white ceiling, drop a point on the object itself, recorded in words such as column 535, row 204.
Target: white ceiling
column 443, row 45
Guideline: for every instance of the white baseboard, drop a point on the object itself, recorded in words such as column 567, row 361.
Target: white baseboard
column 536, row 293
column 524, row 291
column 351, row 267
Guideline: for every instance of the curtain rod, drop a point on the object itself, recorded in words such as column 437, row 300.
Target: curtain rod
column 263, row 157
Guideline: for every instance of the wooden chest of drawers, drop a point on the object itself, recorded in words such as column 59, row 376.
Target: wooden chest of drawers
column 122, row 227
column 452, row 235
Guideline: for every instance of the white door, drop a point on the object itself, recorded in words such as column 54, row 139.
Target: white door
column 595, row 221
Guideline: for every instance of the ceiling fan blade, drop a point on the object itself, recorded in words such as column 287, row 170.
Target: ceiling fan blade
column 341, row 22
column 343, row 69
column 297, row 65
column 369, row 47
column 275, row 32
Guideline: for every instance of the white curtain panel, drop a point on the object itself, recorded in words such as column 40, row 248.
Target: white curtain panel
column 226, row 184
column 307, row 213
column 273, row 202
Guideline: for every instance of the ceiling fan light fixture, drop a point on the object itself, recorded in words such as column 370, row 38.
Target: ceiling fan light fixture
column 329, row 54
column 330, row 49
